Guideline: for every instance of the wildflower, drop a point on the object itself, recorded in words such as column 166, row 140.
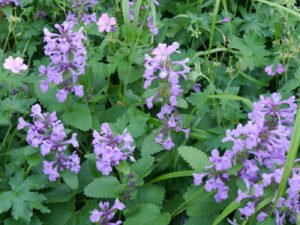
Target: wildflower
column 7, row 2
column 15, row 65
column 110, row 150
column 279, row 70
column 225, row 20
column 261, row 147
column 197, row 87
column 161, row 67
column 106, row 214
column 86, row 17
column 106, row 23
column 47, row 132
column 68, row 60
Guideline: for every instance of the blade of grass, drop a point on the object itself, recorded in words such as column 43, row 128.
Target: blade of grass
column 276, row 5
column 229, row 209
column 260, row 83
column 185, row 173
column 126, row 18
column 213, row 23
column 289, row 164
column 232, row 97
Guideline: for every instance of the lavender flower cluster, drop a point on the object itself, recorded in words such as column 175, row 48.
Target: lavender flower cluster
column 153, row 29
column 7, row 2
column 68, row 60
column 260, row 147
column 47, row 132
column 110, row 150
column 86, row 17
column 107, row 214
column 162, row 68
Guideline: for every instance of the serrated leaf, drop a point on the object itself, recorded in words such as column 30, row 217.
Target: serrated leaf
column 194, row 157
column 104, row 187
column 123, row 167
column 151, row 194
column 148, row 214
column 6, row 199
column 71, row 179
column 79, row 117
column 149, row 146
column 143, row 166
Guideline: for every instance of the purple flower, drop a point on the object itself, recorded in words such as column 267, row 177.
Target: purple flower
column 261, row 147
column 110, row 150
column 106, row 214
column 271, row 72
column 248, row 210
column 225, row 20
column 152, row 28
column 7, row 2
column 86, row 16
column 161, row 67
column 47, row 132
column 68, row 60
column 197, row 87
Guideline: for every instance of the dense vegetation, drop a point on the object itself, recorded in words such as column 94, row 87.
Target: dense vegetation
column 149, row 112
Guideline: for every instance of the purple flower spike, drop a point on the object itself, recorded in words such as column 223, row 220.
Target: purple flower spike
column 106, row 214
column 47, row 132
column 161, row 67
column 110, row 150
column 68, row 60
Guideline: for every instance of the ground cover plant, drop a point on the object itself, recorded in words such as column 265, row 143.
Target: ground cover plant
column 149, row 112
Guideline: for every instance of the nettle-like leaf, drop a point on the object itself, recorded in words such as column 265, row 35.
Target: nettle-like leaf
column 150, row 193
column 148, row 214
column 149, row 146
column 22, row 199
column 143, row 166
column 251, row 50
column 71, row 179
column 104, row 187
column 79, row 117
column 194, row 157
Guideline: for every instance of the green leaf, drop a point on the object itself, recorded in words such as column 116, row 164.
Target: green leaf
column 185, row 173
column 71, row 179
column 194, row 157
column 143, row 166
column 150, row 193
column 149, row 146
column 58, row 194
column 104, row 187
column 79, row 117
column 229, row 209
column 123, row 167
column 233, row 97
column 6, row 199
column 290, row 161
column 148, row 214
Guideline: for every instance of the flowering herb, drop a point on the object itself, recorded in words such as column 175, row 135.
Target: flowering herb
column 110, row 150
column 47, row 133
column 68, row 60
column 261, row 147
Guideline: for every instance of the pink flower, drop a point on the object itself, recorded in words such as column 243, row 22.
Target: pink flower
column 279, row 70
column 15, row 65
column 225, row 20
column 105, row 23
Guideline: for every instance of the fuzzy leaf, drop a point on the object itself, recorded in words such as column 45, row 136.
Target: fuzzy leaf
column 79, row 117
column 71, row 179
column 194, row 157
column 104, row 187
